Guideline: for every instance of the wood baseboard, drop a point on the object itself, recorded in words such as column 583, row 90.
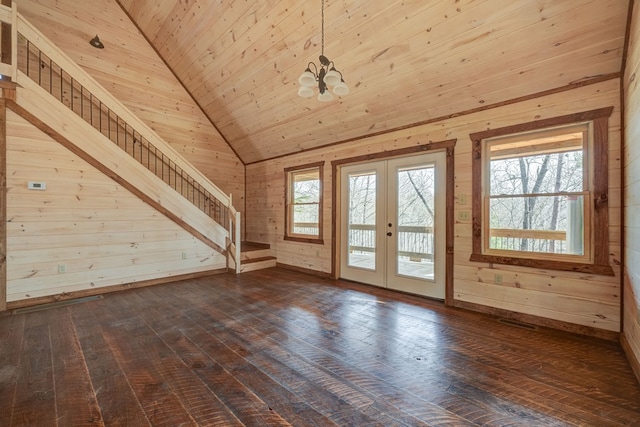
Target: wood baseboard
column 107, row 289
column 634, row 361
column 304, row 270
column 539, row 321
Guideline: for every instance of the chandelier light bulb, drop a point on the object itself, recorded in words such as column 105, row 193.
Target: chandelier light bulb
column 325, row 97
column 341, row 89
column 305, row 92
column 307, row 78
column 332, row 78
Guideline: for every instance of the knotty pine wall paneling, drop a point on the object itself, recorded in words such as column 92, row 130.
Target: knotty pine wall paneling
column 84, row 231
column 574, row 298
column 632, row 194
column 131, row 70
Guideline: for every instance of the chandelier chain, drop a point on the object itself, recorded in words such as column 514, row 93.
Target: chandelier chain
column 322, row 50
column 324, row 76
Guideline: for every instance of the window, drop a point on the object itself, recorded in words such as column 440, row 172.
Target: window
column 540, row 194
column 303, row 207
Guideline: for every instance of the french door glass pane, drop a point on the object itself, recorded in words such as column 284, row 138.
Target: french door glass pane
column 415, row 222
column 361, row 250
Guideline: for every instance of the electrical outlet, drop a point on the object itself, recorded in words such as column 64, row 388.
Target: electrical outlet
column 62, row 268
column 462, row 199
column 464, row 216
column 497, row 279
column 184, row 255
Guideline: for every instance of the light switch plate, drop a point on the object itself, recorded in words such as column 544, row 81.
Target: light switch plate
column 464, row 216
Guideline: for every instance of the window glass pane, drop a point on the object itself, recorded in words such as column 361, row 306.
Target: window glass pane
column 361, row 251
column 537, row 174
column 306, row 187
column 416, row 216
column 305, row 219
column 545, row 224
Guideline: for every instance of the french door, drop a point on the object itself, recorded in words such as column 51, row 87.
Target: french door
column 392, row 223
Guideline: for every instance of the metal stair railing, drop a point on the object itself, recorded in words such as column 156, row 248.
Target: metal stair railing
column 73, row 95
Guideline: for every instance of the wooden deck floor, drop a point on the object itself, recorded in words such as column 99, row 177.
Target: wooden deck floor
column 273, row 347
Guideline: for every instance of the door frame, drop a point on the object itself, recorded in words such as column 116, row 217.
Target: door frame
column 448, row 146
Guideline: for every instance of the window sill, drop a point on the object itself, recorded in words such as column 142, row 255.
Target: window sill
column 603, row 270
column 312, row 240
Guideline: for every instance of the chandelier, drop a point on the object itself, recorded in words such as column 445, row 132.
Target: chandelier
column 323, row 76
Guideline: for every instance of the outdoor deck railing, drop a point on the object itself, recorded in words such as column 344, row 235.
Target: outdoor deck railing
column 544, row 241
column 416, row 242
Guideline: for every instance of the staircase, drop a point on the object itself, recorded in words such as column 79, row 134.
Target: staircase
column 49, row 81
column 255, row 256
column 39, row 69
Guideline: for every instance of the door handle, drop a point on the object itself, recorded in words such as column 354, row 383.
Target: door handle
column 389, row 233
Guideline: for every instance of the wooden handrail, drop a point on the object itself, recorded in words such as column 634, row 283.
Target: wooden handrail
column 6, row 14
column 8, row 17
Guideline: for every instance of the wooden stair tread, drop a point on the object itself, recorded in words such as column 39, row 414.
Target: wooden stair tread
column 253, row 260
column 253, row 246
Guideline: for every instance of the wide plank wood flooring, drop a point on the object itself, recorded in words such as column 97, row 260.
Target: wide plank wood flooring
column 276, row 348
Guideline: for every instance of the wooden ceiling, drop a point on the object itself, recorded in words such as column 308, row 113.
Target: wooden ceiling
column 405, row 61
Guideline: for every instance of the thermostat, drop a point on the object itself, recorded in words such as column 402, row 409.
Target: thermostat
column 36, row 185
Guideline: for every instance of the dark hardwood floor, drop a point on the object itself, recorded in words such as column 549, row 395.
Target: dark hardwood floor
column 274, row 347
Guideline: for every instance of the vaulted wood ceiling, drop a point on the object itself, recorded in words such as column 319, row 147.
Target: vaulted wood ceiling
column 405, row 61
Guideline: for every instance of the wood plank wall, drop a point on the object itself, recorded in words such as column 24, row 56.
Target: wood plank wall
column 131, row 70
column 85, row 231
column 632, row 194
column 580, row 299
